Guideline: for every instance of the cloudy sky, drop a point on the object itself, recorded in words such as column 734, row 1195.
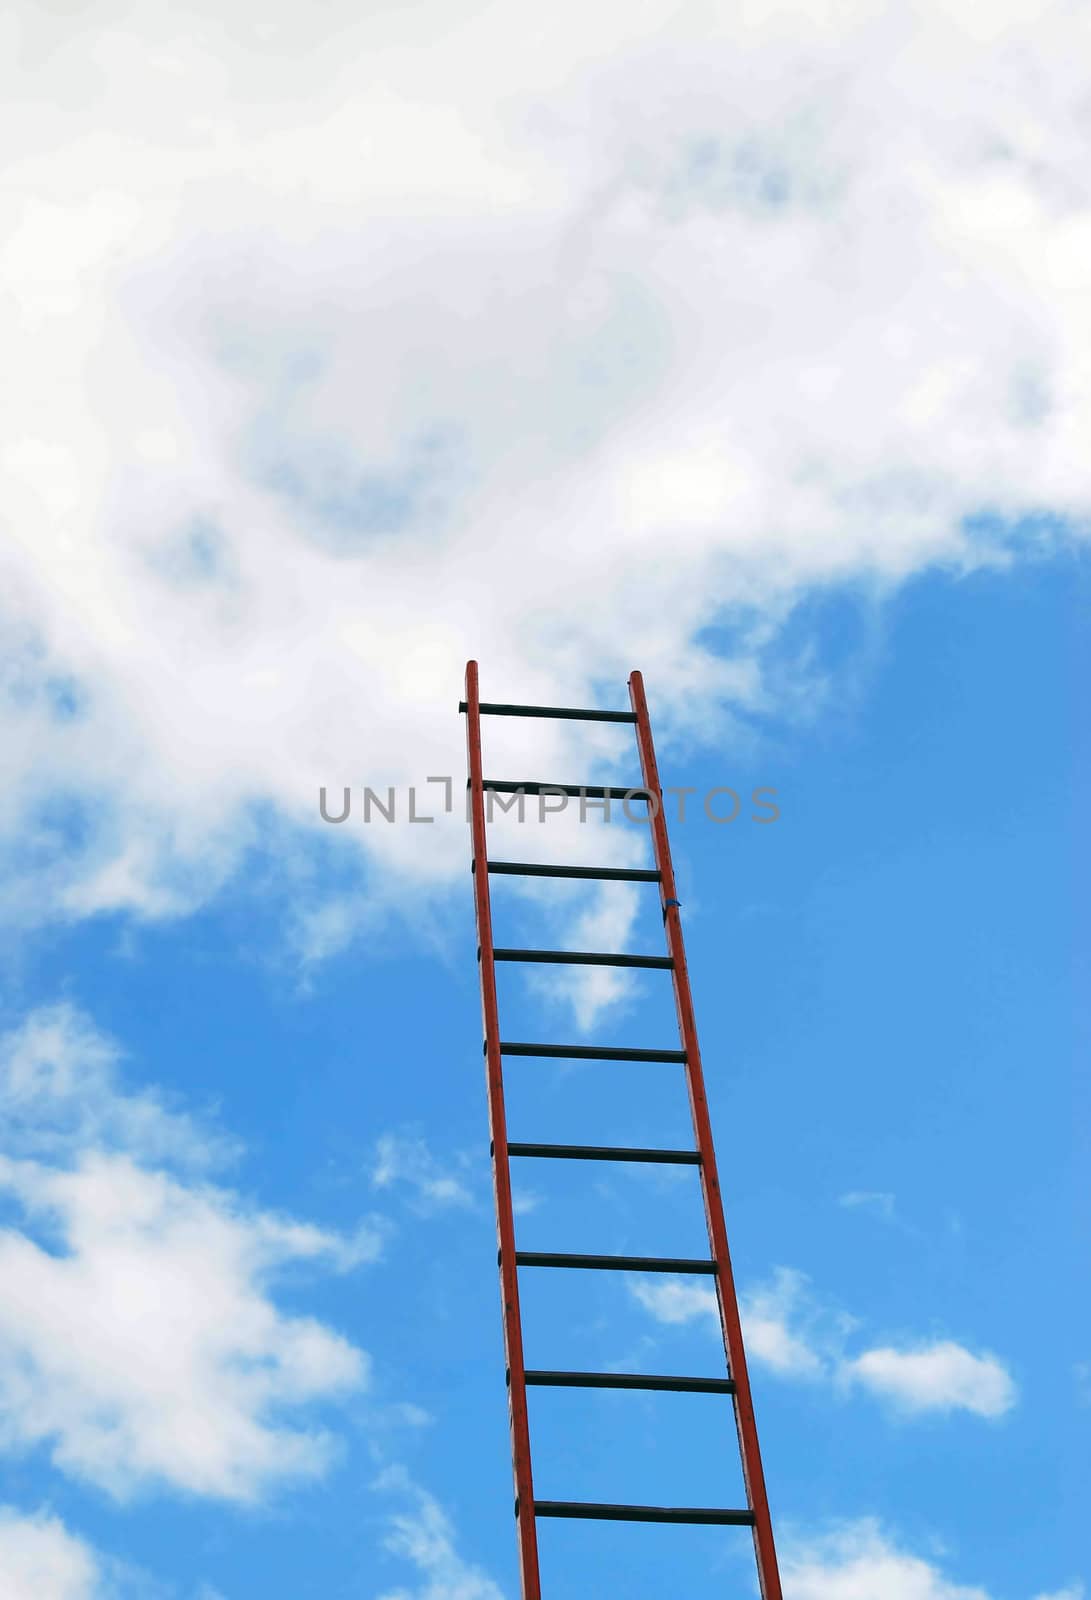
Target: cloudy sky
column 749, row 345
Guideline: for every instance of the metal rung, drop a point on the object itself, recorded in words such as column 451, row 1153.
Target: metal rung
column 492, row 708
column 589, row 791
column 583, row 958
column 534, row 869
column 606, row 1152
column 548, row 1258
column 630, row 1380
column 588, row 1508
column 590, row 1052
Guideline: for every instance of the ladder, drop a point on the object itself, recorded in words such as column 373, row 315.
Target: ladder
column 755, row 1515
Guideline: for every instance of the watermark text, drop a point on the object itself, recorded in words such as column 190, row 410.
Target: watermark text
column 537, row 802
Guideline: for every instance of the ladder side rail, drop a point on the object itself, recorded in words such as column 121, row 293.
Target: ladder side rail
column 731, row 1326
column 505, row 1218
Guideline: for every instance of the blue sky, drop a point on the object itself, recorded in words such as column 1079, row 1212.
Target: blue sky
column 747, row 350
column 887, row 983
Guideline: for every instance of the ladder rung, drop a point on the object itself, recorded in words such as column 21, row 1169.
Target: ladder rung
column 590, row 791
column 604, row 1513
column 590, row 1052
column 583, row 958
column 605, row 1152
column 549, row 1258
column 630, row 1380
column 492, row 708
column 534, row 869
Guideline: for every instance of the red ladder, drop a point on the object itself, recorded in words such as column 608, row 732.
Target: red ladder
column 718, row 1266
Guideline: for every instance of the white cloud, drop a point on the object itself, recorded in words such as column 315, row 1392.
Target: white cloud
column 776, row 1318
column 767, row 1314
column 423, row 1535
column 537, row 354
column 41, row 1560
column 859, row 1562
column 406, row 1159
column 185, row 1373
column 673, row 1300
column 879, row 1201
column 324, row 929
column 942, row 1376
column 60, row 1091
column 790, row 1332
column 605, row 925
